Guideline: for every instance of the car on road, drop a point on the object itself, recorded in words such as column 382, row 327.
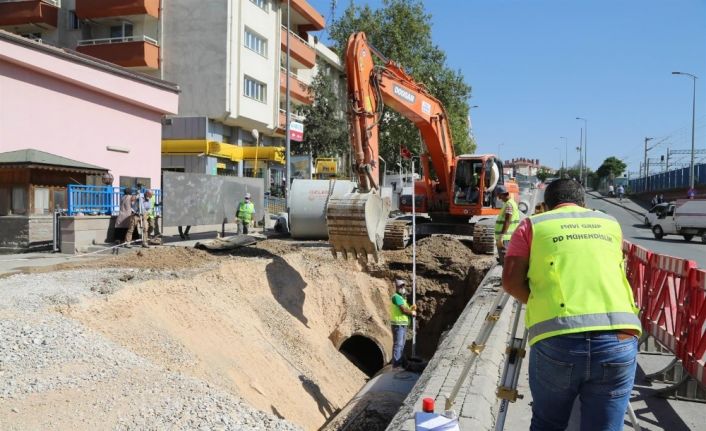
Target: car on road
column 654, row 213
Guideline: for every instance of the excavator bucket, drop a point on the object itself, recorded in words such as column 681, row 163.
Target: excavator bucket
column 356, row 224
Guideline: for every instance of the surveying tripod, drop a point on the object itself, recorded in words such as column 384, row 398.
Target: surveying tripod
column 507, row 391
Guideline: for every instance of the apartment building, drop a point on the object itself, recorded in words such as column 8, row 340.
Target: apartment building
column 227, row 56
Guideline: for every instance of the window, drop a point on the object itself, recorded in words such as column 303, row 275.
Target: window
column 255, row 42
column 262, row 4
column 19, row 200
column 255, row 89
column 72, row 21
column 123, row 30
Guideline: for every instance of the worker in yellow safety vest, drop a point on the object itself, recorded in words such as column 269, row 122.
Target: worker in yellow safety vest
column 567, row 265
column 152, row 215
column 245, row 212
column 400, row 313
column 507, row 221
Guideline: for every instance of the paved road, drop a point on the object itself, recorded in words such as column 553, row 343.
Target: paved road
column 636, row 232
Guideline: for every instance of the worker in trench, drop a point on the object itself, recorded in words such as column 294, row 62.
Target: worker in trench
column 507, row 221
column 566, row 264
column 400, row 313
column 245, row 212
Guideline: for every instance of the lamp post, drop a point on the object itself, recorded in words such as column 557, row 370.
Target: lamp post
column 288, row 154
column 693, row 117
column 585, row 148
column 645, row 166
column 566, row 162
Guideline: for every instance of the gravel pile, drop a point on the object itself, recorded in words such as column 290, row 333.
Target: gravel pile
column 56, row 374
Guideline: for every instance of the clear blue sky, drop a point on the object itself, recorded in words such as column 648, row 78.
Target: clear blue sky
column 537, row 65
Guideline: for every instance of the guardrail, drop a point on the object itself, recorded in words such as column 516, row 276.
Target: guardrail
column 671, row 295
column 120, row 39
column 99, row 200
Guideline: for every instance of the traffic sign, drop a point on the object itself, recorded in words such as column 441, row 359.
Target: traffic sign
column 296, row 131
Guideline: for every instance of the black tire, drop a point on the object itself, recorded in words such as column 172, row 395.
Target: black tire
column 658, row 232
column 688, row 237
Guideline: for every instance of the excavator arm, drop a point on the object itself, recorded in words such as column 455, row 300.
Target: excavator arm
column 356, row 221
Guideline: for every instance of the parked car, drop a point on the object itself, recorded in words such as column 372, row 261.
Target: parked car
column 686, row 217
column 654, row 213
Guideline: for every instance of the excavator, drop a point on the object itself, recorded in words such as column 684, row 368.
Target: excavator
column 455, row 191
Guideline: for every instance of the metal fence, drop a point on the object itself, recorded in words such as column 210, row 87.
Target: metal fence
column 275, row 205
column 678, row 178
column 99, row 200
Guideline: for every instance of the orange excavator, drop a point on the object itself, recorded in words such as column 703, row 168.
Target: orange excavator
column 455, row 191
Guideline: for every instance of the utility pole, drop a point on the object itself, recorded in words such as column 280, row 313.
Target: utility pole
column 693, row 120
column 666, row 166
column 580, row 148
column 288, row 119
column 646, row 165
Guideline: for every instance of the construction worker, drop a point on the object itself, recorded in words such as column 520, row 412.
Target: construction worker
column 151, row 215
column 400, row 313
column 507, row 221
column 246, row 209
column 566, row 264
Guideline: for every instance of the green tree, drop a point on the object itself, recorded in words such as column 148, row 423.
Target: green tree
column 401, row 30
column 612, row 167
column 325, row 127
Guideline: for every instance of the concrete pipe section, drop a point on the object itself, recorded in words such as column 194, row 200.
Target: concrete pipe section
column 309, row 199
column 364, row 353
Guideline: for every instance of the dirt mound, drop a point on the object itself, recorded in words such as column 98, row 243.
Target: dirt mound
column 264, row 326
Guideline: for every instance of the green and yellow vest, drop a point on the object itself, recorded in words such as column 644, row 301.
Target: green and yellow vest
column 397, row 317
column 576, row 276
column 514, row 221
column 245, row 211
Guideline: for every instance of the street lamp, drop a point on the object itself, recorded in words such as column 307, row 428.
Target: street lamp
column 288, row 119
column 693, row 116
column 566, row 163
column 585, row 148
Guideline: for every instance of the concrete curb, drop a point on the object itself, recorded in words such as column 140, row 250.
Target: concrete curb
column 598, row 196
column 476, row 405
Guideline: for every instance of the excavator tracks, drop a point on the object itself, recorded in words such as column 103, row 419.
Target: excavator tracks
column 396, row 235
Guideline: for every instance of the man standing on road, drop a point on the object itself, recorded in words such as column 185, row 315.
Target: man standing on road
column 621, row 192
column 246, row 209
column 400, row 313
column 567, row 265
column 507, row 221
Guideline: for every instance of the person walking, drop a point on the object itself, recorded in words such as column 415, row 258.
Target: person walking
column 152, row 216
column 611, row 191
column 567, row 265
column 400, row 313
column 124, row 221
column 621, row 192
column 245, row 212
column 507, row 221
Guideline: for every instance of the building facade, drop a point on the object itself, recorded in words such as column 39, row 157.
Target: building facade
column 228, row 57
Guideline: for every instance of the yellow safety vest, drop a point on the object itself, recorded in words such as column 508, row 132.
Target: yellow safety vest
column 514, row 221
column 152, row 212
column 397, row 317
column 245, row 211
column 576, row 276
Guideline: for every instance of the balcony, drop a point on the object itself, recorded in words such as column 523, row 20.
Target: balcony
column 292, row 117
column 298, row 90
column 299, row 49
column 92, row 9
column 128, row 51
column 313, row 20
column 43, row 13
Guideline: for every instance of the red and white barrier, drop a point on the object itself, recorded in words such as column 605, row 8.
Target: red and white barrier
column 665, row 318
column 694, row 358
column 638, row 274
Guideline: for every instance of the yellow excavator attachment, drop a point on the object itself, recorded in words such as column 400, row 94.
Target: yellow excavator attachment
column 356, row 224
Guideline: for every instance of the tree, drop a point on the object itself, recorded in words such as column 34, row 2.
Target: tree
column 612, row 167
column 401, row 30
column 325, row 128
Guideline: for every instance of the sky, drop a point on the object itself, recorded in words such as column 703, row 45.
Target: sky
column 536, row 65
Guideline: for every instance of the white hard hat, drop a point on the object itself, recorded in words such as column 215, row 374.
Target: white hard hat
column 247, row 195
column 400, row 283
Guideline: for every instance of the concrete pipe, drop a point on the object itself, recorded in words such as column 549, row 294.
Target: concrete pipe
column 308, row 202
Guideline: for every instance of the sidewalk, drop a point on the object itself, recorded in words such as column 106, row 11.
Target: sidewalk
column 627, row 203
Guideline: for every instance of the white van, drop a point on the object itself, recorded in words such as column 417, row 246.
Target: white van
column 687, row 217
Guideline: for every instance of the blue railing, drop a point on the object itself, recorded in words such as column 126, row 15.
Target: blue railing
column 678, row 178
column 99, row 200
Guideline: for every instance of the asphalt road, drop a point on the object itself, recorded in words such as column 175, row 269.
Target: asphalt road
column 636, row 232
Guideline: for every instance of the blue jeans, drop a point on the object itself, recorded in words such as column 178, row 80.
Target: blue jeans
column 399, row 336
column 596, row 366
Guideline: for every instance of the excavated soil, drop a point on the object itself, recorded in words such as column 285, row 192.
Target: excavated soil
column 265, row 322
